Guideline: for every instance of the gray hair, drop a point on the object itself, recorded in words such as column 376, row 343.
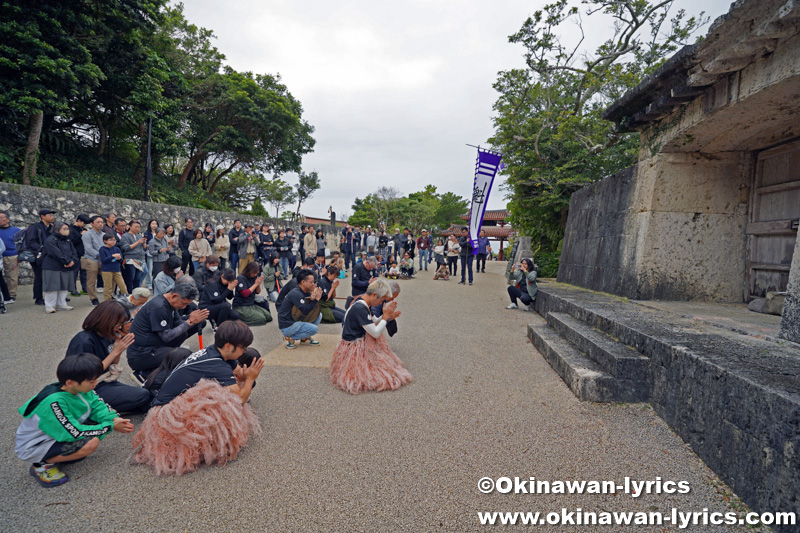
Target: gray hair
column 141, row 292
column 380, row 287
column 185, row 288
column 395, row 287
column 160, row 229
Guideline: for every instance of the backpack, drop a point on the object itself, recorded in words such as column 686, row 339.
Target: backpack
column 21, row 244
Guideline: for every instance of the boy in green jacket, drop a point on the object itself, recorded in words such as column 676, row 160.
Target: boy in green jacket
column 66, row 421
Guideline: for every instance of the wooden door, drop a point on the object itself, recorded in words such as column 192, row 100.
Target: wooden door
column 774, row 214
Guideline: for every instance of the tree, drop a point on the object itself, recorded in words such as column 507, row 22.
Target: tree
column 547, row 117
column 306, row 186
column 277, row 193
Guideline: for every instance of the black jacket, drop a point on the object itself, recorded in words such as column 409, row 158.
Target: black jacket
column 466, row 246
column 201, row 276
column 36, row 235
column 185, row 237
column 361, row 277
column 59, row 251
column 75, row 236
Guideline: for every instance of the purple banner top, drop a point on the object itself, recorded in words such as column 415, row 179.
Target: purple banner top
column 485, row 169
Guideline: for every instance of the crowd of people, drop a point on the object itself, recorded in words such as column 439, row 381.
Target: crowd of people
column 160, row 289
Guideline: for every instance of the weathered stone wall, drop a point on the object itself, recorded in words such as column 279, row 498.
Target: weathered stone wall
column 671, row 227
column 599, row 242
column 23, row 203
column 790, row 321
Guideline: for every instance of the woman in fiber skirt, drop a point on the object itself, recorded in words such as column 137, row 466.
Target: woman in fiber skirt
column 363, row 360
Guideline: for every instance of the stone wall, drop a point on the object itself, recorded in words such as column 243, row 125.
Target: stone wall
column 23, row 203
column 671, row 227
column 599, row 243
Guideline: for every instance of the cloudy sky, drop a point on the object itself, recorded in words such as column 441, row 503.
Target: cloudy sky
column 394, row 90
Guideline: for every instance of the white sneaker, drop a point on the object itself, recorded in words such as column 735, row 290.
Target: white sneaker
column 49, row 310
column 64, row 307
column 512, row 306
column 526, row 308
column 99, row 289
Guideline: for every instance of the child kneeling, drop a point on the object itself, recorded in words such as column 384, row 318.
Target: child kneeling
column 66, row 421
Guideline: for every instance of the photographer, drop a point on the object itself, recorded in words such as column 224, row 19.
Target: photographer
column 523, row 284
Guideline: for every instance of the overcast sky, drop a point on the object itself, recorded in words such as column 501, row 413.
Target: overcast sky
column 394, row 90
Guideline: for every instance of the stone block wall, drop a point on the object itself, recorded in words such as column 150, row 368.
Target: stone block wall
column 599, row 244
column 671, row 227
column 23, row 204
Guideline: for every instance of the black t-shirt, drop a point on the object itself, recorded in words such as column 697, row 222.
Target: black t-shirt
column 156, row 315
column 324, row 284
column 296, row 298
column 90, row 342
column 357, row 317
column 205, row 364
column 214, row 293
column 286, row 289
column 244, row 283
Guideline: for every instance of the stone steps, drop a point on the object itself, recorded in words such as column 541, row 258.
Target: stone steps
column 585, row 376
column 617, row 359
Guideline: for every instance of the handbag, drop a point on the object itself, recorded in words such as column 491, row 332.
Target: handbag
column 27, row 256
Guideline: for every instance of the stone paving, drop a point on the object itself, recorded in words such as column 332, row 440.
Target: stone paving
column 483, row 403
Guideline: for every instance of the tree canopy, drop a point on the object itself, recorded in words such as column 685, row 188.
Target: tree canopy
column 83, row 77
column 547, row 116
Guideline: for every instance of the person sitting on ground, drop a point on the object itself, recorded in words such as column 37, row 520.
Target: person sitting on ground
column 105, row 335
column 111, row 267
column 394, row 271
column 158, row 327
column 205, row 271
column 245, row 361
column 165, row 280
column 523, row 284
column 363, row 274
column 66, row 421
column 200, row 414
column 319, row 264
column 244, row 300
column 272, row 274
column 441, row 272
column 407, row 266
column 135, row 300
column 327, row 302
column 363, row 360
column 156, row 379
column 215, row 297
column 299, row 315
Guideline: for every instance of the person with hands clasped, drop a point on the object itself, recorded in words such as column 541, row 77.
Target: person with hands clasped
column 66, row 421
column 215, row 297
column 300, row 314
column 244, row 301
column 105, row 335
column 363, row 360
column 200, row 414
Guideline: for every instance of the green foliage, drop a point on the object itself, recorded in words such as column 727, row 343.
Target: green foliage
column 548, row 263
column 99, row 70
column 258, row 209
column 307, row 185
column 547, row 117
column 427, row 209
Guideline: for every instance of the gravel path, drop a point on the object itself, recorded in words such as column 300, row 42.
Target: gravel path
column 483, row 403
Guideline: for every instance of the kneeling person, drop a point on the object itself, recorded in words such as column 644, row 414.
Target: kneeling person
column 200, row 414
column 66, row 421
column 299, row 315
column 158, row 327
column 327, row 303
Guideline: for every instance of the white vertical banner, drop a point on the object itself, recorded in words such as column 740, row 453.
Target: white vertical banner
column 486, row 168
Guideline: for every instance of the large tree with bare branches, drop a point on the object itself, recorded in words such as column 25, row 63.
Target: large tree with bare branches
column 547, row 117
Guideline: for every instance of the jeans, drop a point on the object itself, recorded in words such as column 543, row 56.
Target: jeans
column 302, row 330
column 285, row 270
column 466, row 264
column 348, row 257
column 423, row 259
column 195, row 264
column 235, row 261
column 133, row 277
column 514, row 293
